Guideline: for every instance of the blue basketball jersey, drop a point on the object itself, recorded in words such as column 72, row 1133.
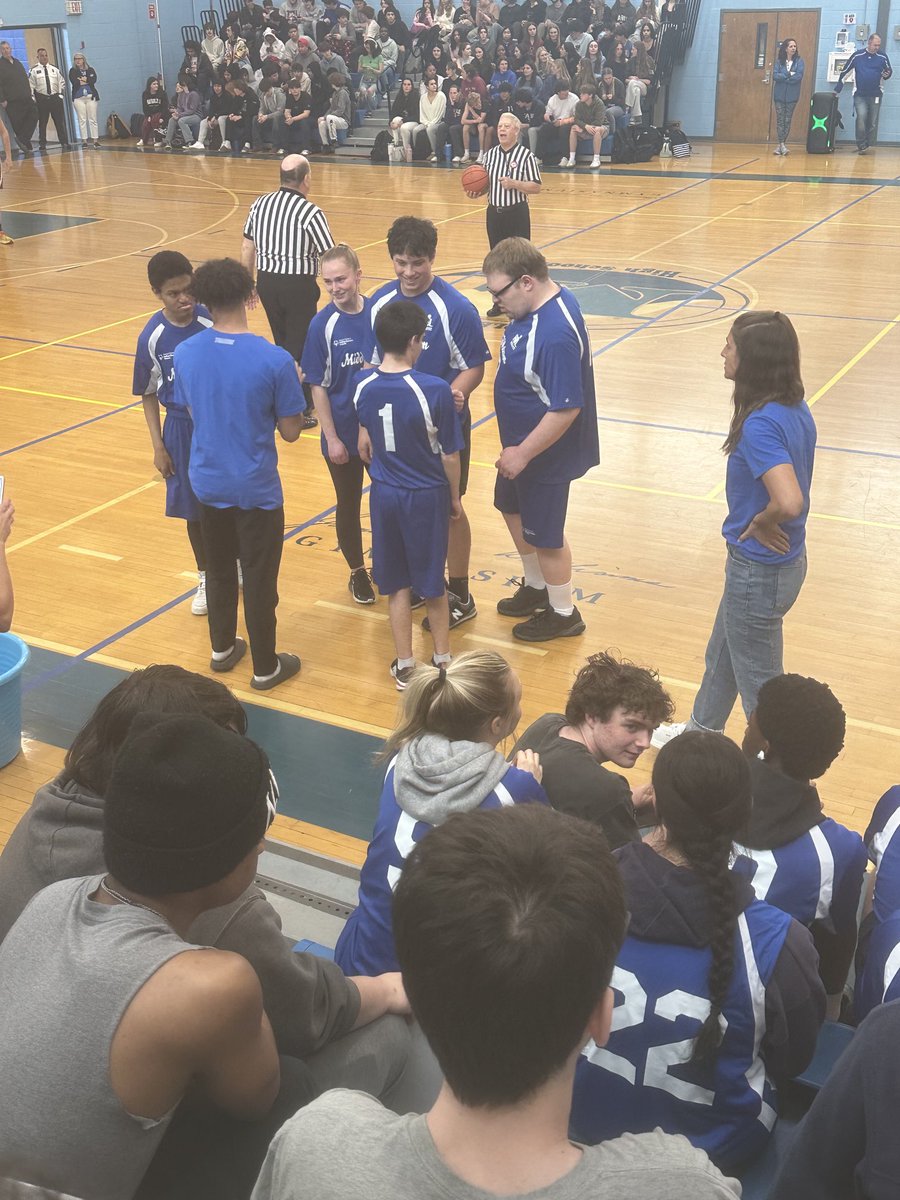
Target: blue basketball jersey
column 154, row 366
column 366, row 944
column 454, row 337
column 884, row 851
column 411, row 420
column 337, row 347
column 643, row 1078
column 879, row 980
column 816, row 877
column 545, row 366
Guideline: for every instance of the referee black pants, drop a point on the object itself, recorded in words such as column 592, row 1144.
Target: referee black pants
column 256, row 537
column 290, row 304
column 514, row 221
column 51, row 108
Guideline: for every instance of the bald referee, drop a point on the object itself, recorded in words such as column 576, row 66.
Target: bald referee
column 283, row 238
column 514, row 175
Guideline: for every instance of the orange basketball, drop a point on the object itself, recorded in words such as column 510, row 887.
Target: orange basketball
column 475, row 179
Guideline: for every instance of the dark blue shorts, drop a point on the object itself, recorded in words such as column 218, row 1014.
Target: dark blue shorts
column 180, row 499
column 542, row 507
column 409, row 538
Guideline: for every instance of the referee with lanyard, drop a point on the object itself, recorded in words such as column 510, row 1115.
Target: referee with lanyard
column 513, row 175
column 283, row 238
column 49, row 85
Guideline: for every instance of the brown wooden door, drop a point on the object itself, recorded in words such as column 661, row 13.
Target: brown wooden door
column 748, row 46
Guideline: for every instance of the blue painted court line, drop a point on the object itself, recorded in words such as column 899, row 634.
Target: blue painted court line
column 650, row 321
column 718, row 433
column 56, row 672
column 68, row 429
column 7, row 337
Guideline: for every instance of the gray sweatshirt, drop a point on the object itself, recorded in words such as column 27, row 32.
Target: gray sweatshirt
column 340, row 104
column 435, row 778
column 309, row 1000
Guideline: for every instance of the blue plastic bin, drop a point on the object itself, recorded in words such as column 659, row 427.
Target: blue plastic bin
column 13, row 657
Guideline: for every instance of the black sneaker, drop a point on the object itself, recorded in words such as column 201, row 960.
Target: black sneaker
column 524, row 601
column 460, row 611
column 549, row 624
column 402, row 675
column 415, row 600
column 360, row 587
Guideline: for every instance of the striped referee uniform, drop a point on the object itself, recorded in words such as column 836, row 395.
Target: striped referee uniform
column 288, row 233
column 508, row 214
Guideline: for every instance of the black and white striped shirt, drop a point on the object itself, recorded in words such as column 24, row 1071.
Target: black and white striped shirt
column 520, row 164
column 289, row 233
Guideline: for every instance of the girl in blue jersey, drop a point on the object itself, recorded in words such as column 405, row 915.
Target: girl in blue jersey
column 717, row 993
column 443, row 760
column 878, row 954
column 795, row 856
column 771, row 447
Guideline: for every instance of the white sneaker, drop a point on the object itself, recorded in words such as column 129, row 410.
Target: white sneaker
column 226, row 145
column 433, row 158
column 456, row 160
column 197, row 146
column 480, row 160
column 595, row 161
column 198, row 604
column 664, row 733
column 140, row 143
column 465, row 158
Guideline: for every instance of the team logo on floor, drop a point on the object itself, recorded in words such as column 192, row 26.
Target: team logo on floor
column 613, row 297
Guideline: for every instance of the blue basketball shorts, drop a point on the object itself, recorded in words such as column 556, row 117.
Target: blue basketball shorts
column 180, row 499
column 542, row 507
column 410, row 530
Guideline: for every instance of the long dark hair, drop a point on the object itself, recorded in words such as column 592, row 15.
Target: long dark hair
column 703, row 799
column 768, row 367
column 164, row 689
column 782, row 50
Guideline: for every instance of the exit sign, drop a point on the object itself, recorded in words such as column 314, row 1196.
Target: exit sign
column 73, row 8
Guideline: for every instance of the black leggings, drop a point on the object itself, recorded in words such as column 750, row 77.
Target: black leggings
column 348, row 484
column 195, row 535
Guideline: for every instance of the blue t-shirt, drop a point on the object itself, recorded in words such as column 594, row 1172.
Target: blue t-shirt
column 545, row 366
column 773, row 435
column 154, row 369
column 366, row 944
column 454, row 337
column 237, row 386
column 411, row 420
column 337, row 346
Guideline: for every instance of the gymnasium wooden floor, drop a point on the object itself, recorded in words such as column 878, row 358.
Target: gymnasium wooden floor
column 665, row 255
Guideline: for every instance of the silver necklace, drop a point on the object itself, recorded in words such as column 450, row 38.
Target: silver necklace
column 131, row 903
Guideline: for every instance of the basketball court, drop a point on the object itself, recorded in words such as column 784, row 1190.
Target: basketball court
column 662, row 257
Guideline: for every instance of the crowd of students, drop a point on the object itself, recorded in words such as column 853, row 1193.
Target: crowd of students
column 288, row 80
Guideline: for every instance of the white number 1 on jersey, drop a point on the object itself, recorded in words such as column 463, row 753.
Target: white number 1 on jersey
column 387, row 423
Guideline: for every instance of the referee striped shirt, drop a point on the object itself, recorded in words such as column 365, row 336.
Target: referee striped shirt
column 289, row 233
column 518, row 163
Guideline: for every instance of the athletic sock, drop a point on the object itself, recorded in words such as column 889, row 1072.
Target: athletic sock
column 560, row 595
column 571, row 160
column 459, row 586
column 221, row 655
column 441, row 659
column 266, row 678
column 402, row 663
column 531, row 569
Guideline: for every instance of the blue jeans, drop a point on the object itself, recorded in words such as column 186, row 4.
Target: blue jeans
column 864, row 109
column 190, row 126
column 746, row 645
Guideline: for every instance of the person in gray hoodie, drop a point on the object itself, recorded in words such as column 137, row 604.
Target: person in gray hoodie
column 314, row 1009
column 443, row 760
column 338, row 115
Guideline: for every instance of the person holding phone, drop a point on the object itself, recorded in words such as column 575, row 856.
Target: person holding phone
column 7, row 597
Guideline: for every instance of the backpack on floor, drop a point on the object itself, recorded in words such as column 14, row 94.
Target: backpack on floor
column 421, row 147
column 116, row 127
column 137, row 124
column 379, row 151
column 624, row 149
column 678, row 140
column 647, row 144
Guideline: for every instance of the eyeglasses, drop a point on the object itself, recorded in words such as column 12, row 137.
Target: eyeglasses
column 502, row 291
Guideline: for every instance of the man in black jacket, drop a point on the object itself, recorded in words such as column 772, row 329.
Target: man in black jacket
column 16, row 97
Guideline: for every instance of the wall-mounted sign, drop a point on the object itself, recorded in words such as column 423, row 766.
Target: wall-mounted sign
column 73, row 8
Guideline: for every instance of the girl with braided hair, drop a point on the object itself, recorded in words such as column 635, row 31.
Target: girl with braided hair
column 718, row 995
column 443, row 760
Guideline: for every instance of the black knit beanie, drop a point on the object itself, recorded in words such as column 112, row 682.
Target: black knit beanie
column 186, row 802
